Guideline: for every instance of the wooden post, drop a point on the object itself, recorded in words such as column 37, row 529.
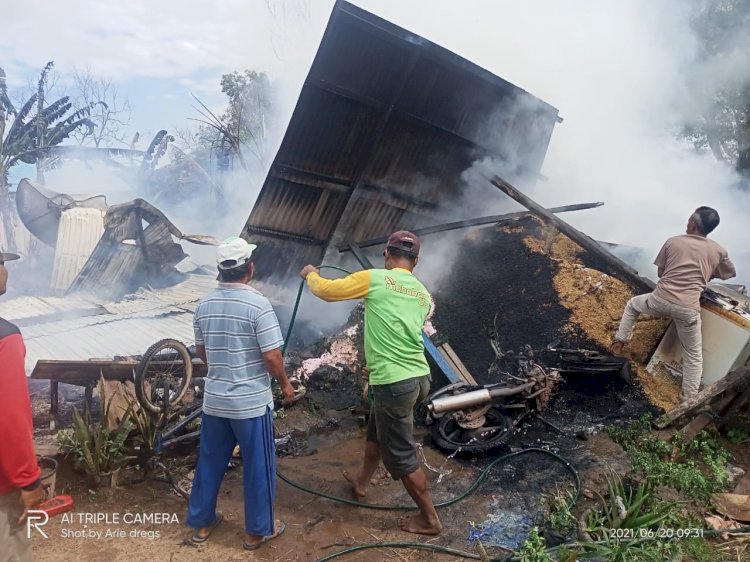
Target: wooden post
column 88, row 396
column 54, row 403
column 704, row 418
column 704, row 396
column 620, row 269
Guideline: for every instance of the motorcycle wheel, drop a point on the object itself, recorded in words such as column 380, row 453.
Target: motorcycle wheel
column 491, row 437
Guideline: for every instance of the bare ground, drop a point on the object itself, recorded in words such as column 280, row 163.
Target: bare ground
column 315, row 526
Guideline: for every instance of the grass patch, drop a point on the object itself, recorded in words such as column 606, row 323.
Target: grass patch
column 696, row 469
column 561, row 520
column 533, row 549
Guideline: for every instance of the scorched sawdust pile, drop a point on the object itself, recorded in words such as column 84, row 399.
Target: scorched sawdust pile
column 537, row 287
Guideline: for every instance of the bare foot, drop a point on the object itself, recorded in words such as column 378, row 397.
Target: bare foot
column 358, row 489
column 202, row 534
column 616, row 348
column 419, row 525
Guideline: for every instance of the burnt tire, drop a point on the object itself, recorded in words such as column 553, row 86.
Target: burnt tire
column 492, row 437
column 166, row 365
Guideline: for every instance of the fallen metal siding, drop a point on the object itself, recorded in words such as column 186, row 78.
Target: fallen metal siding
column 121, row 336
column 181, row 296
column 77, row 328
column 26, row 308
column 384, row 127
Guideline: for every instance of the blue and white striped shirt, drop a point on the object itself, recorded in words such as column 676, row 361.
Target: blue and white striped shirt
column 237, row 325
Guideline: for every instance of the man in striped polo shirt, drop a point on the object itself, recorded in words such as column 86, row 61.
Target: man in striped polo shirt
column 238, row 337
column 396, row 307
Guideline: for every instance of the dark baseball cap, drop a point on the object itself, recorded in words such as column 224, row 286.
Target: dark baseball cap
column 405, row 241
column 5, row 256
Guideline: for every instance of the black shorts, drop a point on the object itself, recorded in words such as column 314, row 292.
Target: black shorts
column 391, row 422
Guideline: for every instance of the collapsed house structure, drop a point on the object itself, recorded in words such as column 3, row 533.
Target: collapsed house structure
column 385, row 125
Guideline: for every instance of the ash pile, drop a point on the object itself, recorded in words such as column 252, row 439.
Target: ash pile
column 522, row 284
column 332, row 368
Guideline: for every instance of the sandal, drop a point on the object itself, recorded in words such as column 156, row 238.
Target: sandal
column 280, row 528
column 199, row 539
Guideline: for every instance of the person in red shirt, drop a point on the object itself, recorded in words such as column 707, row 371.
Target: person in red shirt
column 20, row 487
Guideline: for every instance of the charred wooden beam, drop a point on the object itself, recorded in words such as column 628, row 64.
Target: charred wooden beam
column 620, row 269
column 491, row 219
column 705, row 396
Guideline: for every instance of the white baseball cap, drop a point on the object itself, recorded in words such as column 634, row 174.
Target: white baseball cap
column 233, row 252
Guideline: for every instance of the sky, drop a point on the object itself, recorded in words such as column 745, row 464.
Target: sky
column 624, row 75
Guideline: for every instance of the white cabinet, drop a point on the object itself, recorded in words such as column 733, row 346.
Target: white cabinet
column 726, row 339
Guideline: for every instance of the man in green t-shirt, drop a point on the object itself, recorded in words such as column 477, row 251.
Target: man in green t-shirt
column 396, row 307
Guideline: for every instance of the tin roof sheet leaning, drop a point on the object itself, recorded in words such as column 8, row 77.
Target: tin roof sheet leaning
column 384, row 127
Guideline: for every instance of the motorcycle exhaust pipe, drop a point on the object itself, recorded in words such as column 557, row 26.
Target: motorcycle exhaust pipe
column 460, row 401
column 474, row 398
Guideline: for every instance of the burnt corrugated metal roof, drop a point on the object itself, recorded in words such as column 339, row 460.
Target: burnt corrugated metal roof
column 77, row 328
column 385, row 124
column 137, row 248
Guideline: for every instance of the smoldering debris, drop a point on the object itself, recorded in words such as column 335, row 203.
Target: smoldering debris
column 537, row 288
column 137, row 249
column 332, row 368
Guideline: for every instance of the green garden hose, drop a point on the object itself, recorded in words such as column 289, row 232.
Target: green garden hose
column 299, row 297
column 470, row 490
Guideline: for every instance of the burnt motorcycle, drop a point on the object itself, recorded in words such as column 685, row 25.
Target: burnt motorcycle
column 473, row 419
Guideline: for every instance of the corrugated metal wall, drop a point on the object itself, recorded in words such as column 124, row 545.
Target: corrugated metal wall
column 384, row 127
column 78, row 234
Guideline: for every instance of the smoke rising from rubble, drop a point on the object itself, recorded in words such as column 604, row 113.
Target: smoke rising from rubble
column 625, row 78
column 624, row 75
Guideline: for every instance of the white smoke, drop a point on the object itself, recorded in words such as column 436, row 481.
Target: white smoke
column 626, row 76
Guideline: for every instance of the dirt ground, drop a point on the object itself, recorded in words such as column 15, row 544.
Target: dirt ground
column 316, row 526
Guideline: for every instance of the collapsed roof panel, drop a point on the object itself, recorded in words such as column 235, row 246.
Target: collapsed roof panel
column 137, row 248
column 81, row 327
column 385, row 124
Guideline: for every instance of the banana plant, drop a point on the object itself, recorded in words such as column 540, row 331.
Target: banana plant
column 36, row 126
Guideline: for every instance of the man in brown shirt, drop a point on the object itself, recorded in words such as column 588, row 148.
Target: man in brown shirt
column 686, row 264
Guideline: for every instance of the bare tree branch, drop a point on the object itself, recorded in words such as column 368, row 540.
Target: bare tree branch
column 111, row 116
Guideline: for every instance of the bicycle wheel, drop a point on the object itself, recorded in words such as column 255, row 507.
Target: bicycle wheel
column 163, row 375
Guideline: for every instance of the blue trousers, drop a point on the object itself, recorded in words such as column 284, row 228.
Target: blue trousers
column 218, row 438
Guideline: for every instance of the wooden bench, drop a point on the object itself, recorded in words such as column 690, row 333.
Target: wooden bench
column 86, row 374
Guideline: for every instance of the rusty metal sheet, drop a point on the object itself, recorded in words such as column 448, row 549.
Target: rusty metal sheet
column 384, row 127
